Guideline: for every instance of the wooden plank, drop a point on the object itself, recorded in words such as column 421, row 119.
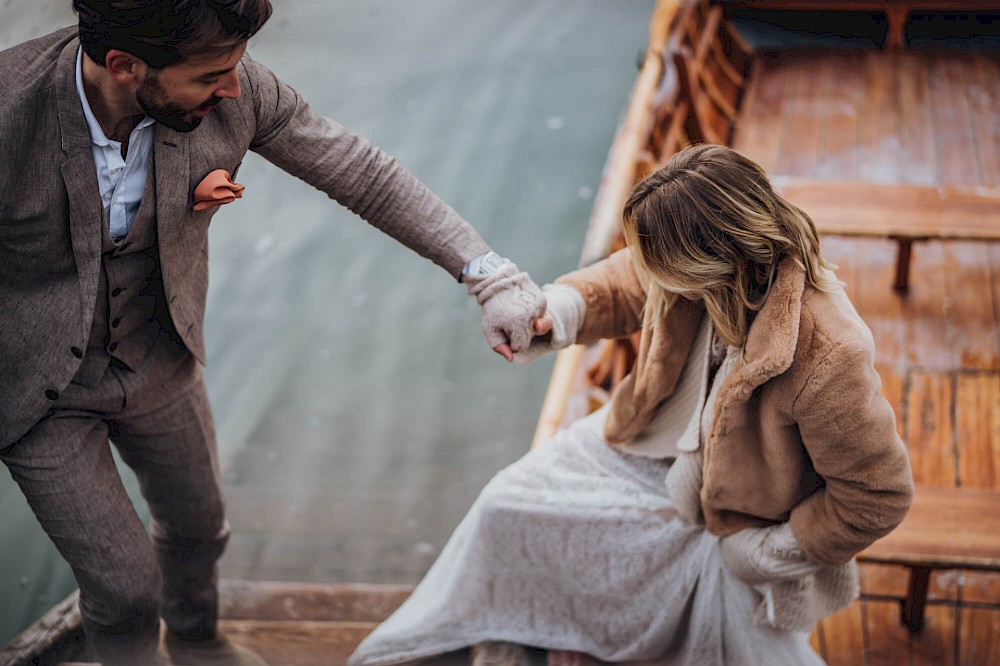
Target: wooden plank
column 970, row 316
column 884, row 579
column 977, row 430
column 887, row 642
column 298, row 643
column 982, row 587
column 839, row 136
column 982, row 80
column 952, row 129
column 759, row 129
column 980, row 632
column 571, row 658
column 993, row 256
column 877, row 158
column 923, row 314
column 944, row 585
column 929, row 430
column 804, row 108
column 857, row 208
column 894, row 391
column 840, row 251
column 913, row 113
column 935, row 644
column 946, row 527
column 876, row 302
column 863, row 5
column 842, row 637
column 263, row 600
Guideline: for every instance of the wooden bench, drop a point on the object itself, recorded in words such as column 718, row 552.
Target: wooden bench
column 896, row 11
column 902, row 212
column 946, row 528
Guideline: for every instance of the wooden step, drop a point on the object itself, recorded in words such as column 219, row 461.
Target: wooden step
column 856, row 208
column 946, row 528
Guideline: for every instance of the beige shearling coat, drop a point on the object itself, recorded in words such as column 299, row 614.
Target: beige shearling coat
column 800, row 432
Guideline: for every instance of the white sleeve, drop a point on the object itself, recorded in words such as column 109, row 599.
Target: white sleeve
column 566, row 308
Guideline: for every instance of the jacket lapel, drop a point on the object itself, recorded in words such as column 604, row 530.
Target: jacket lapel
column 773, row 336
column 86, row 213
column 173, row 204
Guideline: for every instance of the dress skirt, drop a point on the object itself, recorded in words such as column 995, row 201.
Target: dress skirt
column 577, row 546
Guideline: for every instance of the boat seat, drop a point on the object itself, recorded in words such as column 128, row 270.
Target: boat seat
column 897, row 12
column 946, row 528
column 903, row 212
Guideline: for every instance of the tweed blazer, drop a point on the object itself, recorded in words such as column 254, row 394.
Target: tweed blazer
column 51, row 211
column 799, row 432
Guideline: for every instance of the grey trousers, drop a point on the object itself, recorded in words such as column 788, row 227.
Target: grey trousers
column 159, row 419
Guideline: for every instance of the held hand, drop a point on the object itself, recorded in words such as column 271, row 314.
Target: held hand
column 543, row 325
column 505, row 351
column 557, row 328
column 510, row 303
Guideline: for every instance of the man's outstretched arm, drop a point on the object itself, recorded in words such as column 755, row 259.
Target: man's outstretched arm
column 371, row 183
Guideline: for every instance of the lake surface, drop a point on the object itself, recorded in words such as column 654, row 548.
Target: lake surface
column 359, row 410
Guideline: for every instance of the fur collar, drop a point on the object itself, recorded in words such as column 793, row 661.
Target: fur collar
column 773, row 335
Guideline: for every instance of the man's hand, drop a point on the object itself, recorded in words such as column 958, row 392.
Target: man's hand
column 511, row 303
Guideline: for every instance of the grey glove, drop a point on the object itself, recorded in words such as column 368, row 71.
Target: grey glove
column 566, row 309
column 766, row 554
column 510, row 302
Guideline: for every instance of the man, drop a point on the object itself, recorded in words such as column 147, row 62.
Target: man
column 119, row 140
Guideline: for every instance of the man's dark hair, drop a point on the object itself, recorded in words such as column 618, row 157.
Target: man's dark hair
column 166, row 32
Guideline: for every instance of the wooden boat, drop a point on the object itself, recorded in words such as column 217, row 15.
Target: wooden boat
column 895, row 152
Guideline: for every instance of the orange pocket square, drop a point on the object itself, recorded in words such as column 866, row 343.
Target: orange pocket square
column 216, row 189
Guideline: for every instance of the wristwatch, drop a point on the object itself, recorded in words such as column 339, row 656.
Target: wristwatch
column 485, row 264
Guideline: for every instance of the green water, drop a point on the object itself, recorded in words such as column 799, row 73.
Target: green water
column 359, row 411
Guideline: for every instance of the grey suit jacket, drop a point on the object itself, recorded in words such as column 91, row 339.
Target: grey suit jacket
column 51, row 212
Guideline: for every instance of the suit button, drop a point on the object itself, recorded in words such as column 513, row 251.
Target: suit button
column 76, row 352
column 117, row 291
column 113, row 346
column 115, row 322
column 52, row 395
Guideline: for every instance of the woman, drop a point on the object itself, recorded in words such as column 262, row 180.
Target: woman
column 710, row 512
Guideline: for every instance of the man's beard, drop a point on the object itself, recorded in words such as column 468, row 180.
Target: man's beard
column 152, row 99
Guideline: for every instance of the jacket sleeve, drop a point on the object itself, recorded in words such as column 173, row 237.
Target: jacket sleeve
column 615, row 294
column 355, row 173
column 849, row 431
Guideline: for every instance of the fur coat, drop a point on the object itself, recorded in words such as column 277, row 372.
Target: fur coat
column 799, row 433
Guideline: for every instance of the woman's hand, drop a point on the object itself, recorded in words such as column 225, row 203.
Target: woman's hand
column 543, row 325
column 765, row 554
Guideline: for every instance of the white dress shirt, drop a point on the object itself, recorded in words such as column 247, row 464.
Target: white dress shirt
column 121, row 180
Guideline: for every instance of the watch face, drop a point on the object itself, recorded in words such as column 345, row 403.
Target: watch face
column 491, row 263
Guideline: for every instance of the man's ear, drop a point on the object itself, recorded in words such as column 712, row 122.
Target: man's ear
column 124, row 67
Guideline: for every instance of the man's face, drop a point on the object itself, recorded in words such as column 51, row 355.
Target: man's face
column 180, row 96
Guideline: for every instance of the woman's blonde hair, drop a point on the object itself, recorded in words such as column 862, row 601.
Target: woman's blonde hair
column 708, row 222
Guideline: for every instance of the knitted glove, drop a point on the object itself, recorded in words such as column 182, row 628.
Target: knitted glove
column 766, row 554
column 510, row 302
column 566, row 309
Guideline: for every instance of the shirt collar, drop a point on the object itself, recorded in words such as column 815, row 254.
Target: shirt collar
column 97, row 135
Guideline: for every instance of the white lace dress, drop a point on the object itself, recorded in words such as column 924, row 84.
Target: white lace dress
column 577, row 546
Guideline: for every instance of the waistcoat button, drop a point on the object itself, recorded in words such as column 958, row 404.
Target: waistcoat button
column 51, row 395
column 76, row 352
